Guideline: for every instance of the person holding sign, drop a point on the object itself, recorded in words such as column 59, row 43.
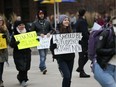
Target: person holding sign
column 65, row 61
column 42, row 27
column 22, row 58
column 4, row 35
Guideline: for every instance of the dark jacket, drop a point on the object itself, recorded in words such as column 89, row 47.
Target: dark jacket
column 67, row 57
column 22, row 58
column 105, row 49
column 41, row 27
column 81, row 26
column 4, row 52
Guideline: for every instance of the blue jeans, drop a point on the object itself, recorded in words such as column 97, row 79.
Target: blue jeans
column 43, row 54
column 106, row 77
column 65, row 67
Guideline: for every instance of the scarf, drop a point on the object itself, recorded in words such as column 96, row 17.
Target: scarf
column 21, row 31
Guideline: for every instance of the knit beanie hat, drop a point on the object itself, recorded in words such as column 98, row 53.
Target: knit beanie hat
column 62, row 17
column 40, row 12
column 18, row 23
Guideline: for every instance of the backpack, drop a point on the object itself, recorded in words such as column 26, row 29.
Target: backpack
column 93, row 38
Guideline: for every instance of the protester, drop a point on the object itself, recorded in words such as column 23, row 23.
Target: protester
column 73, row 20
column 22, row 58
column 11, row 21
column 105, row 67
column 100, row 19
column 81, row 26
column 107, row 19
column 42, row 27
column 3, row 52
column 65, row 61
column 18, row 18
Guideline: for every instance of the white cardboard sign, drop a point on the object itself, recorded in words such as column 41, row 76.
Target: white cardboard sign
column 67, row 43
column 44, row 42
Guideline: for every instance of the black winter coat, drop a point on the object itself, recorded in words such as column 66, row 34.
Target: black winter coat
column 81, row 26
column 105, row 49
column 42, row 27
column 22, row 58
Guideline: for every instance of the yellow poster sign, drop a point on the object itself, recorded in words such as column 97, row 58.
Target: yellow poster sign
column 3, row 44
column 27, row 40
column 51, row 1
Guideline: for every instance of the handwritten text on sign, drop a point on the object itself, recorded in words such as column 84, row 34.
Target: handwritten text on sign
column 67, row 43
column 44, row 42
column 27, row 40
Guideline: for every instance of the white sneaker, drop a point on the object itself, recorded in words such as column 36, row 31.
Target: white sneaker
column 23, row 84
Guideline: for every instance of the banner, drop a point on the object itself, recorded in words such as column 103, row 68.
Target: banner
column 3, row 44
column 27, row 40
column 44, row 42
column 52, row 1
column 67, row 43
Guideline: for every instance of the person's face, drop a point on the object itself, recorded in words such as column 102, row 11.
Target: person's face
column 66, row 22
column 114, row 25
column 41, row 16
column 114, row 22
column 1, row 22
column 21, row 26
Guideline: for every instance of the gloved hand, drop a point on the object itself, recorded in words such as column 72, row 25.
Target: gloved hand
column 17, row 42
column 3, row 36
column 37, row 39
column 54, row 45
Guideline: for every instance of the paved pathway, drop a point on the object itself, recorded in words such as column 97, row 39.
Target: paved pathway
column 51, row 79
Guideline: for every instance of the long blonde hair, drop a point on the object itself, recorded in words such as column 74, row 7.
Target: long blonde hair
column 3, row 26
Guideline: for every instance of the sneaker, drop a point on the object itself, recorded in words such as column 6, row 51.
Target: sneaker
column 44, row 71
column 23, row 84
column 1, row 84
column 84, row 75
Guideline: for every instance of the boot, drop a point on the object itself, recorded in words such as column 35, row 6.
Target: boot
column 84, row 75
column 1, row 84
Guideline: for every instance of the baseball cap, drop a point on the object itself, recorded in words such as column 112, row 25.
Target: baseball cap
column 40, row 12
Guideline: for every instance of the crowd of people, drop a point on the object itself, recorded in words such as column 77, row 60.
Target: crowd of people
column 106, row 75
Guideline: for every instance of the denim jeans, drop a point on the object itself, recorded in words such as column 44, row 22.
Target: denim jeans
column 1, row 70
column 43, row 54
column 106, row 77
column 65, row 67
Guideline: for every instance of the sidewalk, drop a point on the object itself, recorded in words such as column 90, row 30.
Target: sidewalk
column 51, row 79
